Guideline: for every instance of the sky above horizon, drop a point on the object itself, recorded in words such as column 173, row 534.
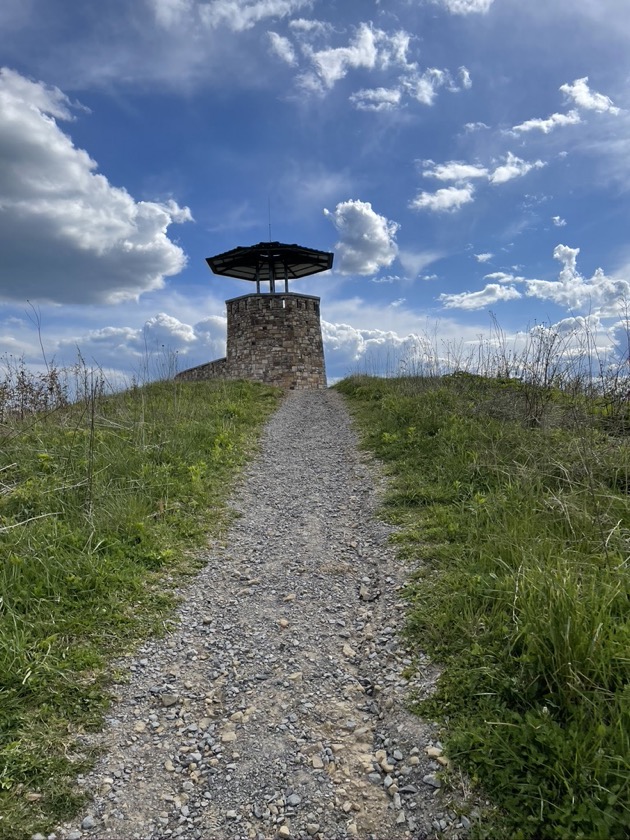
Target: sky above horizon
column 468, row 162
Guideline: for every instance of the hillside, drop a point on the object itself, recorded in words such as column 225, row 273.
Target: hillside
column 494, row 603
column 517, row 537
column 102, row 503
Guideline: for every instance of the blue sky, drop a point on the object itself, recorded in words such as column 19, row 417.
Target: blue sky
column 463, row 159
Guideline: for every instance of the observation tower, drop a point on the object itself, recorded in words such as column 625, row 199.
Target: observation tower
column 272, row 336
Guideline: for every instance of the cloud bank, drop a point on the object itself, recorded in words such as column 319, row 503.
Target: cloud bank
column 66, row 234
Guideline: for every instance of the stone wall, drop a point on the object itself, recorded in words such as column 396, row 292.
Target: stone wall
column 209, row 370
column 273, row 338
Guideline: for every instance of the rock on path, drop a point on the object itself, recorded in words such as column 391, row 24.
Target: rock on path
column 276, row 708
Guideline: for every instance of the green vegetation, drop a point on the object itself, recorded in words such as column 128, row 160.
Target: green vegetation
column 516, row 522
column 101, row 502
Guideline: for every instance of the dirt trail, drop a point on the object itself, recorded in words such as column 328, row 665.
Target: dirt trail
column 276, row 707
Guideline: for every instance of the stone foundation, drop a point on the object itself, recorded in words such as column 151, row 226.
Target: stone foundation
column 273, row 338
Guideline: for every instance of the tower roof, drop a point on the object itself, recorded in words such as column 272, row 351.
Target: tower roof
column 270, row 261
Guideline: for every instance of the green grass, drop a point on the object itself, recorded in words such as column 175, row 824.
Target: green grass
column 101, row 504
column 519, row 537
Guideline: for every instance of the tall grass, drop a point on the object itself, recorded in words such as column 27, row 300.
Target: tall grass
column 101, row 501
column 519, row 534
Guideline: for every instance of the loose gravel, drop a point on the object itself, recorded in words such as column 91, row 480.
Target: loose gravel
column 276, row 707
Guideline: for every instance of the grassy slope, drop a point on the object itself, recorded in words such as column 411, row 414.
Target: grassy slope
column 100, row 503
column 519, row 537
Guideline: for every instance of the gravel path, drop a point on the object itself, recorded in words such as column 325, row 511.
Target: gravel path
column 276, row 709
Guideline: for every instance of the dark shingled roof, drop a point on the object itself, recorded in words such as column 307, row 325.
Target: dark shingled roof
column 270, row 261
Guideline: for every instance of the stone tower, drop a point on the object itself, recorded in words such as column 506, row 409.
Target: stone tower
column 272, row 337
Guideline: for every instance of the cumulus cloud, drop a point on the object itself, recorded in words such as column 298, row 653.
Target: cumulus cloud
column 588, row 99
column 603, row 295
column 483, row 258
column 349, row 348
column 66, row 234
column 283, row 48
column 424, row 86
column 333, row 63
column 492, row 293
column 558, row 221
column 128, row 349
column 467, row 7
column 367, row 240
column 514, row 167
column 547, row 125
column 452, row 198
column 375, row 50
column 446, row 200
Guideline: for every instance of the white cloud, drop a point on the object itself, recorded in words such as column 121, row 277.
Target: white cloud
column 454, row 170
column 514, row 167
column 467, row 7
column 376, row 99
column 452, row 198
column 423, row 87
column 483, row 258
column 445, row 200
column 164, row 329
column 503, row 277
column 368, row 48
column 558, row 221
column 394, row 51
column 464, row 75
column 398, row 302
column 547, row 125
column 600, row 294
column 584, row 97
column 377, row 51
column 359, row 336
column 367, row 239
column 67, row 234
column 283, row 48
column 239, row 15
column 310, row 29
column 376, row 351
column 333, row 64
column 154, row 349
column 492, row 293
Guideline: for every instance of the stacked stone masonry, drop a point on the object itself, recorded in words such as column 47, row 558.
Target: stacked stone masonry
column 273, row 338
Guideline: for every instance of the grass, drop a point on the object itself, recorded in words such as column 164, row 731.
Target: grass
column 101, row 504
column 518, row 534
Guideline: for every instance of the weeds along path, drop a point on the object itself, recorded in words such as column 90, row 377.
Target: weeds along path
column 276, row 706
